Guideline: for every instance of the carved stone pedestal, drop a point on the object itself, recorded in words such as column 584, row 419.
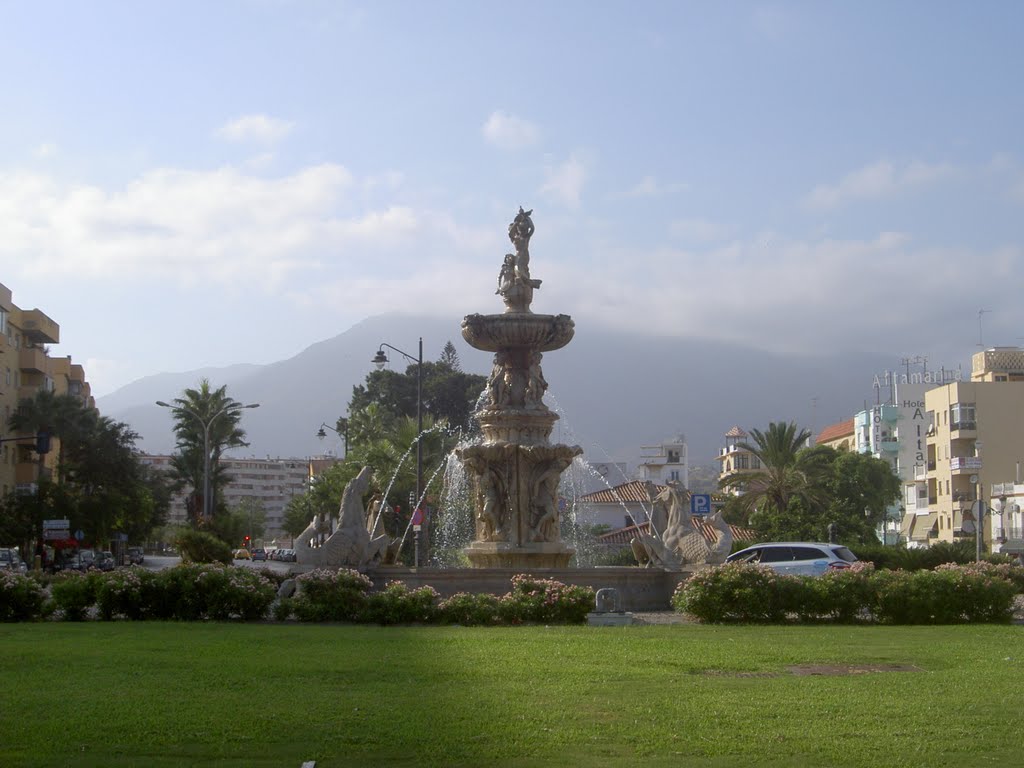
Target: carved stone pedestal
column 503, row 554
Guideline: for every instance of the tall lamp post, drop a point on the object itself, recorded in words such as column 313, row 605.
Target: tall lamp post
column 321, row 434
column 380, row 360
column 206, row 424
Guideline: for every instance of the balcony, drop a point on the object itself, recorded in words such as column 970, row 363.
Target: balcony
column 890, row 413
column 920, row 472
column 32, row 360
column 38, row 328
column 890, row 444
column 959, row 430
column 965, row 464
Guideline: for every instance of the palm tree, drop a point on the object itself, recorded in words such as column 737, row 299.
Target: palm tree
column 789, row 470
column 205, row 403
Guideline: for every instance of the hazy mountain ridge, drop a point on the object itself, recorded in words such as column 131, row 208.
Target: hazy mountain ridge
column 615, row 391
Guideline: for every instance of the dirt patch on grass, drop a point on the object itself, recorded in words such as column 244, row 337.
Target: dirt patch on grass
column 817, row 670
column 833, row 670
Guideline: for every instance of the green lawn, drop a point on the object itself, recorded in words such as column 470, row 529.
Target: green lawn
column 156, row 694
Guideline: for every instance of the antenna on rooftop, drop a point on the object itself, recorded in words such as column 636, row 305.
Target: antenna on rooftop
column 980, row 313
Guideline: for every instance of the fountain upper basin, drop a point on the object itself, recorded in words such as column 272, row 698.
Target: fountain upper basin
column 492, row 333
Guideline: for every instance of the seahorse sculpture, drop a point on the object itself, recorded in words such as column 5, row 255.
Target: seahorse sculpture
column 352, row 544
column 680, row 543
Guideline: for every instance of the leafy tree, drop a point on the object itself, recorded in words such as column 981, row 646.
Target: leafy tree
column 297, row 514
column 99, row 485
column 789, row 471
column 224, row 433
column 449, row 394
column 856, row 489
column 860, row 489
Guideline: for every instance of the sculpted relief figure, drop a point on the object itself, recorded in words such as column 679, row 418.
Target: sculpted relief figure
column 497, row 384
column 489, row 511
column 536, row 386
column 545, row 506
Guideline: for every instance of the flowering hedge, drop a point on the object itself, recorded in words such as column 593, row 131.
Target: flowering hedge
column 951, row 594
column 22, row 598
column 345, row 595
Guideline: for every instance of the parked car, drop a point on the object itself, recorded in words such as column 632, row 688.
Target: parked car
column 286, row 555
column 135, row 556
column 242, row 554
column 797, row 558
column 259, row 554
column 105, row 561
column 10, row 560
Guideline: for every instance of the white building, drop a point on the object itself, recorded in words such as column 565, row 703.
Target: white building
column 270, row 482
column 665, row 463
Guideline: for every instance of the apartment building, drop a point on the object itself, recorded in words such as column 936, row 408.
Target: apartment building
column 974, row 441
column 26, row 367
column 271, row 483
column 666, row 462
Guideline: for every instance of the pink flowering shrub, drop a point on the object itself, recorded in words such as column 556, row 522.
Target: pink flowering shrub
column 21, row 598
column 1012, row 572
column 128, row 592
column 544, row 601
column 192, row 592
column 329, row 595
column 739, row 592
column 951, row 594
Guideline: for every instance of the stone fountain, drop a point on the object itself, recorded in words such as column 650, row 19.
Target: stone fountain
column 515, row 469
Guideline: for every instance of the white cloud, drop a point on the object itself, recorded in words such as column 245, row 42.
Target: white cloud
column 260, row 129
column 45, row 150
column 564, row 183
column 647, row 187
column 507, row 131
column 700, row 230
column 879, row 181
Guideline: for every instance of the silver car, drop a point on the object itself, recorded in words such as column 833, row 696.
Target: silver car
column 797, row 558
column 10, row 560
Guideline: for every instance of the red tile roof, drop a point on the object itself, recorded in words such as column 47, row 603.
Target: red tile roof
column 736, row 432
column 635, row 490
column 627, row 534
column 835, row 432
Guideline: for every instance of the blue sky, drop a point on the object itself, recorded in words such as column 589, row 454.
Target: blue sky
column 190, row 184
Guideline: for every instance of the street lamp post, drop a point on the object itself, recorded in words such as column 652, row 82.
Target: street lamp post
column 380, row 360
column 321, row 434
column 206, row 424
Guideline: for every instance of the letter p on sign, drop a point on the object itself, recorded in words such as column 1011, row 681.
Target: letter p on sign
column 700, row 504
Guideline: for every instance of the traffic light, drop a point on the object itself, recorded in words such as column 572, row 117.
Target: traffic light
column 246, row 542
column 42, row 443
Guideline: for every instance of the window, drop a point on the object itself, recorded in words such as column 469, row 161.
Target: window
column 673, row 457
column 674, row 475
column 3, row 320
column 961, row 416
column 755, row 463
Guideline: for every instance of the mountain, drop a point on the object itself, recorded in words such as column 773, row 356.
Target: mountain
column 615, row 391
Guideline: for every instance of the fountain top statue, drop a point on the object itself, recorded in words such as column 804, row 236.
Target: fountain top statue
column 515, row 286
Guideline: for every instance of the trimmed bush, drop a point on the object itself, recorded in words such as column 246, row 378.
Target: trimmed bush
column 192, row 592
column 951, row 594
column 470, row 610
column 397, row 604
column 131, row 593
column 203, row 547
column 326, row 595
column 74, row 594
column 21, row 598
column 739, row 592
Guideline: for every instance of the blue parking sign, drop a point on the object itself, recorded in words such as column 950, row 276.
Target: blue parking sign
column 700, row 504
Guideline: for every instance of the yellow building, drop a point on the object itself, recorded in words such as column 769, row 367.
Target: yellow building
column 26, row 368
column 975, row 441
column 733, row 457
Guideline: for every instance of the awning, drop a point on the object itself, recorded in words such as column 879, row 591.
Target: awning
column 923, row 525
